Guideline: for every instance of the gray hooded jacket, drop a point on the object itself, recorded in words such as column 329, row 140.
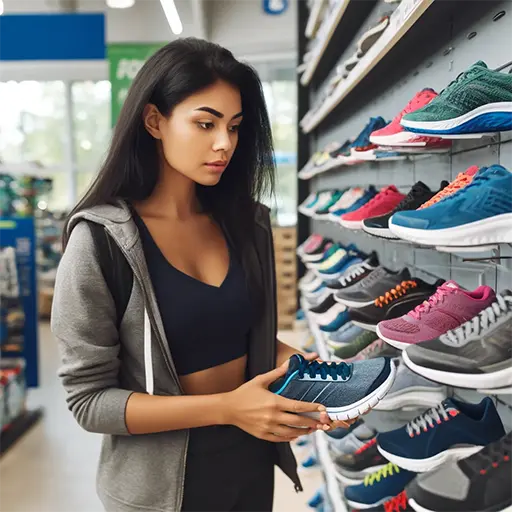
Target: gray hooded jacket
column 103, row 365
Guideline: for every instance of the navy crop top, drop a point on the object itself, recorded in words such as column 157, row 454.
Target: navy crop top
column 205, row 325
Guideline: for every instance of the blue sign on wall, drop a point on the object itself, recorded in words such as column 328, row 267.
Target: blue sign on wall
column 275, row 7
column 52, row 37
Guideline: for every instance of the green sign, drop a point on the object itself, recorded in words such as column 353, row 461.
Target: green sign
column 125, row 62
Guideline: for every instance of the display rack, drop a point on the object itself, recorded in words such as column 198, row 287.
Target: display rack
column 314, row 18
column 331, row 22
column 407, row 13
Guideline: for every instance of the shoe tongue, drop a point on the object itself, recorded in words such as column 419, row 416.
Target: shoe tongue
column 480, row 64
column 420, row 187
column 390, row 188
column 294, row 364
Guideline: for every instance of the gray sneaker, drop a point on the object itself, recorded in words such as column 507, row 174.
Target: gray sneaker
column 476, row 355
column 377, row 283
column 352, row 441
column 411, row 391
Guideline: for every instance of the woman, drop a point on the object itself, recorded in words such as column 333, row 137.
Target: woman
column 178, row 384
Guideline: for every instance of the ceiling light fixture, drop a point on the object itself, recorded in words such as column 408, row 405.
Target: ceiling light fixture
column 1, row 7
column 120, row 4
column 173, row 18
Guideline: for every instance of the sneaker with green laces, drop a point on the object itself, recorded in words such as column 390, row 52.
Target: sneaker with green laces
column 352, row 349
column 478, row 102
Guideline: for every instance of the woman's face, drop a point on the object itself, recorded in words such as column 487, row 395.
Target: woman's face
column 201, row 134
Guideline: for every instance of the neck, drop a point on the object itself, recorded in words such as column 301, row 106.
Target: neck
column 174, row 197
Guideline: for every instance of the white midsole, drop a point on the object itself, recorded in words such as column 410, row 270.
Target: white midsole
column 362, row 506
column 368, row 327
column 380, row 232
column 419, row 399
column 352, row 304
column 497, row 229
column 430, row 463
column 498, row 379
column 502, row 106
column 394, row 343
column 419, row 508
column 396, row 139
column 351, row 224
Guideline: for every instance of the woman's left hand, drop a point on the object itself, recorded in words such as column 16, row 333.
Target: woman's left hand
column 327, row 423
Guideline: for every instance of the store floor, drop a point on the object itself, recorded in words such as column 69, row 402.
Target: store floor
column 52, row 469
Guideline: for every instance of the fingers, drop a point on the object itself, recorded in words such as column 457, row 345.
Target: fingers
column 297, row 421
column 311, row 357
column 289, row 432
column 278, row 439
column 286, row 404
column 268, row 378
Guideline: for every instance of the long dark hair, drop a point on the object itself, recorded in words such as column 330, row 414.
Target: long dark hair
column 131, row 167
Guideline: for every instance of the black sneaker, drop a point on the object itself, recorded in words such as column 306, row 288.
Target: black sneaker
column 353, row 467
column 355, row 275
column 419, row 194
column 394, row 303
column 479, row 483
column 375, row 284
column 324, row 306
column 476, row 355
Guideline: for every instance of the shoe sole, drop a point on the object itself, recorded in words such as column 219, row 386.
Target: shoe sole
column 397, row 139
column 362, row 506
column 353, row 304
column 379, row 232
column 368, row 327
column 493, row 230
column 400, row 345
column 412, row 398
column 352, row 224
column 352, row 411
column 419, row 508
column 490, row 118
column 355, row 478
column 492, row 380
column 430, row 463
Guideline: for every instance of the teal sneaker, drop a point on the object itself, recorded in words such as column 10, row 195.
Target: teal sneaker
column 476, row 103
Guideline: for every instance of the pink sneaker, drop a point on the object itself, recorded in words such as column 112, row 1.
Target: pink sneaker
column 385, row 201
column 394, row 133
column 447, row 309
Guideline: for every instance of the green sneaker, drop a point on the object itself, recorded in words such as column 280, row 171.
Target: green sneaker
column 477, row 102
column 352, row 349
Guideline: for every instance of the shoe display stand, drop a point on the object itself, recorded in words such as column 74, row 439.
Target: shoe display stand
column 427, row 44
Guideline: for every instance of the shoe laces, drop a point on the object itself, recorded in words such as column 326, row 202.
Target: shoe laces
column 410, row 198
column 388, row 470
column 432, row 301
column 430, row 418
column 334, row 370
column 396, row 504
column 394, row 293
column 414, row 104
column 358, row 271
column 479, row 323
column 366, row 446
column 492, row 455
column 459, row 182
column 465, row 74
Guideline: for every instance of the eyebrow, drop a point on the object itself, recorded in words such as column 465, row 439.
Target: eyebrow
column 218, row 114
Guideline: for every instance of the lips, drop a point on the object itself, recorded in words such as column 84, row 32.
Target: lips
column 218, row 163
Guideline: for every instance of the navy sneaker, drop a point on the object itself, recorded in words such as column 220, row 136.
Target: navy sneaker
column 335, row 324
column 453, row 430
column 346, row 390
column 379, row 487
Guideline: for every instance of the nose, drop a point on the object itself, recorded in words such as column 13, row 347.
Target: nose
column 223, row 141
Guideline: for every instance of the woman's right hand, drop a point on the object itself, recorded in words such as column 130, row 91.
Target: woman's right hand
column 265, row 415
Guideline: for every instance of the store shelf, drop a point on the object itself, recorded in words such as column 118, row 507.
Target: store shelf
column 404, row 17
column 331, row 22
column 316, row 332
column 314, row 18
column 333, row 487
column 18, row 428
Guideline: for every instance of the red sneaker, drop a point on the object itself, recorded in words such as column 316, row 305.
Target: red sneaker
column 385, row 201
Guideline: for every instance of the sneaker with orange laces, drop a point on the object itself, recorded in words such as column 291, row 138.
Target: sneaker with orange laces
column 384, row 202
column 394, row 303
column 462, row 180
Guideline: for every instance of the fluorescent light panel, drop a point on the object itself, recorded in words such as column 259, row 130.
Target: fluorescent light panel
column 120, row 4
column 173, row 18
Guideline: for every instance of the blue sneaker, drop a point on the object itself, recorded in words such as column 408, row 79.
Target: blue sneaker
column 310, row 462
column 451, row 431
column 346, row 390
column 347, row 334
column 378, row 487
column 478, row 214
column 336, row 324
column 351, row 252
column 362, row 148
column 317, row 499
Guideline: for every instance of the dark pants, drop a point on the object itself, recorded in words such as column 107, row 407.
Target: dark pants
column 228, row 470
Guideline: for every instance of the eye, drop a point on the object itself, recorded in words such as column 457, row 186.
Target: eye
column 235, row 128
column 207, row 125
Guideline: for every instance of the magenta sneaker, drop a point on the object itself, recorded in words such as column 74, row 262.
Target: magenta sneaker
column 447, row 309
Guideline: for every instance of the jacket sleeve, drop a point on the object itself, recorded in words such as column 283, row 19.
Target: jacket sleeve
column 84, row 324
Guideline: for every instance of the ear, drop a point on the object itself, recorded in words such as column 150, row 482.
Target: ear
column 152, row 117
